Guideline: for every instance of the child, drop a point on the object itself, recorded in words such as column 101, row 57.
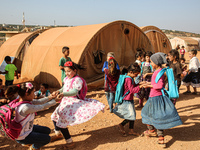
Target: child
column 72, row 110
column 175, row 65
column 9, row 71
column 158, row 112
column 182, row 51
column 35, row 135
column 43, row 92
column 105, row 65
column 11, row 93
column 184, row 67
column 139, row 56
column 192, row 78
column 63, row 60
column 126, row 110
column 146, row 73
column 112, row 74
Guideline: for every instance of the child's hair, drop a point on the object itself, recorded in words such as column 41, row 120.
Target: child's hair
column 112, row 67
column 110, row 54
column 0, row 80
column 175, row 53
column 138, row 54
column 25, row 88
column 65, row 48
column 11, row 91
column 7, row 58
column 46, row 86
column 134, row 67
column 193, row 51
column 182, row 59
column 73, row 66
column 148, row 53
column 182, row 46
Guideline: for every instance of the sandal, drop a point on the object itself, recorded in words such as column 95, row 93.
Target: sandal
column 161, row 142
column 121, row 130
column 149, row 133
column 134, row 133
column 56, row 137
column 187, row 92
column 69, row 145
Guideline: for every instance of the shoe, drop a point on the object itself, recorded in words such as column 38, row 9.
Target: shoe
column 56, row 137
column 161, row 142
column 194, row 93
column 187, row 92
column 69, row 145
column 149, row 133
column 31, row 148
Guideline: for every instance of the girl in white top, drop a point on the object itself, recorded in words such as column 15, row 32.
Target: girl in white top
column 192, row 77
column 34, row 135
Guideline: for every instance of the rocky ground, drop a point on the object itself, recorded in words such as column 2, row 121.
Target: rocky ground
column 101, row 132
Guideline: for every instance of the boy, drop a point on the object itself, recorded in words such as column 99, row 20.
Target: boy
column 63, row 60
column 43, row 92
column 9, row 71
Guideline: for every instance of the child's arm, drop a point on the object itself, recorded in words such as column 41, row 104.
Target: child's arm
column 30, row 108
column 72, row 92
column 132, row 88
column 148, row 74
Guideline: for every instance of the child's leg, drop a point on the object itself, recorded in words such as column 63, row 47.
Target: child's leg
column 38, row 137
column 141, row 102
column 150, row 132
column 188, row 88
column 131, row 126
column 161, row 137
column 107, row 97
column 121, row 127
column 111, row 100
column 195, row 89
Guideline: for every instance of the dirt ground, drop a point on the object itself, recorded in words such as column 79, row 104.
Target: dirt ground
column 101, row 132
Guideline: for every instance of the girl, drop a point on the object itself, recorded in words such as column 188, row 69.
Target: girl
column 138, row 57
column 192, row 78
column 112, row 74
column 34, row 135
column 72, row 110
column 175, row 65
column 126, row 109
column 146, row 73
column 159, row 112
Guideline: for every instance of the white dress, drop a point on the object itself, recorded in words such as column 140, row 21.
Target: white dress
column 72, row 110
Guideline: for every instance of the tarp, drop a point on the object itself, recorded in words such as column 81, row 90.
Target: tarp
column 188, row 42
column 158, row 39
column 88, row 45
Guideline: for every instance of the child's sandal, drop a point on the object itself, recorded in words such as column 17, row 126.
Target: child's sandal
column 121, row 130
column 69, row 145
column 149, row 133
column 56, row 137
column 161, row 142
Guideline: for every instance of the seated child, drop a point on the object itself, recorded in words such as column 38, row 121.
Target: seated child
column 43, row 92
column 11, row 94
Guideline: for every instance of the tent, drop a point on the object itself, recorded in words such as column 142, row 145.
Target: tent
column 158, row 39
column 88, row 45
column 16, row 47
column 188, row 42
column 198, row 39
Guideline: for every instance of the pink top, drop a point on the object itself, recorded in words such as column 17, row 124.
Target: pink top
column 130, row 85
column 156, row 90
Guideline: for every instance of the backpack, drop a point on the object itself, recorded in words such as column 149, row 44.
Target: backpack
column 172, row 91
column 82, row 93
column 119, row 94
column 8, row 126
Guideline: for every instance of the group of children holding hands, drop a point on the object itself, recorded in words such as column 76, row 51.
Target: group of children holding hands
column 159, row 113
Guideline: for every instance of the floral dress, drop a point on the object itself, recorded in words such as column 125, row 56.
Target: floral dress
column 72, row 110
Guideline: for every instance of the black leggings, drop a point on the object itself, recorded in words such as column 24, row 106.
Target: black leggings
column 64, row 131
column 131, row 123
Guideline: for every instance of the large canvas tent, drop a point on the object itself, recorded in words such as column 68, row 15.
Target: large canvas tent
column 158, row 39
column 17, row 46
column 88, row 45
column 188, row 42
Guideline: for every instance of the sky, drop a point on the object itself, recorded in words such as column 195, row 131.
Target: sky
column 179, row 15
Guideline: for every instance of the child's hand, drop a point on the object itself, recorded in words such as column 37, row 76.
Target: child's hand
column 59, row 97
column 55, row 93
column 4, row 101
column 51, row 96
column 143, row 82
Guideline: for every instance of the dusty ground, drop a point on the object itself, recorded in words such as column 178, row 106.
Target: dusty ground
column 101, row 133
